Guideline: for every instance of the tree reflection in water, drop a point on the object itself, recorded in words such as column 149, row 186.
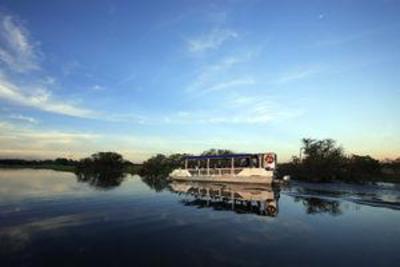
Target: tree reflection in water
column 239, row 198
column 314, row 205
column 101, row 179
column 102, row 170
column 155, row 182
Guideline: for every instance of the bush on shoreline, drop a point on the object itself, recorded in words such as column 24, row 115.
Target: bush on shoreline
column 102, row 170
column 323, row 161
column 159, row 166
column 59, row 164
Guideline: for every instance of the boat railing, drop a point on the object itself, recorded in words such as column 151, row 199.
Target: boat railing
column 214, row 171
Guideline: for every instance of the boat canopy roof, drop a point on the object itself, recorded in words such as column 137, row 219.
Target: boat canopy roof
column 226, row 156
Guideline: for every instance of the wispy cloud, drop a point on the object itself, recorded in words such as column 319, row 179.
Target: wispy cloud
column 19, row 54
column 128, row 118
column 23, row 118
column 97, row 87
column 237, row 109
column 16, row 141
column 337, row 40
column 231, row 83
column 16, row 50
column 261, row 110
column 218, row 76
column 296, row 75
column 40, row 99
column 258, row 109
column 211, row 40
column 233, row 108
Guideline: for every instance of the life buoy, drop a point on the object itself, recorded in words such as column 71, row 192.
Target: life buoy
column 269, row 158
column 271, row 210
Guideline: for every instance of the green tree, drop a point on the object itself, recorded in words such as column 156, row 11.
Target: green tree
column 159, row 166
column 101, row 170
column 362, row 168
column 323, row 160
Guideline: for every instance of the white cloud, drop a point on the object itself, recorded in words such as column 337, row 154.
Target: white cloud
column 19, row 54
column 13, row 131
column 232, row 83
column 237, row 109
column 17, row 141
column 296, row 75
column 262, row 109
column 5, row 126
column 23, row 118
column 128, row 118
column 40, row 99
column 210, row 76
column 212, row 40
column 239, row 106
column 16, row 51
column 337, row 40
column 97, row 87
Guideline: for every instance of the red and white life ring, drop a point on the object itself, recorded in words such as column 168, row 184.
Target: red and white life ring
column 269, row 158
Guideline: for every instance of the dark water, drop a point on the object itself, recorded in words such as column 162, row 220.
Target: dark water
column 49, row 218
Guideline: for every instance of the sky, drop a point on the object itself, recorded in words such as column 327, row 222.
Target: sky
column 148, row 77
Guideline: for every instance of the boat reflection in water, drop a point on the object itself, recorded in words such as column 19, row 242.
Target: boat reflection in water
column 241, row 198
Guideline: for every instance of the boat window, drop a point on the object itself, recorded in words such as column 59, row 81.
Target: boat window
column 247, row 161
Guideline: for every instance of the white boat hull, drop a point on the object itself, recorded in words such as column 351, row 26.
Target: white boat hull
column 226, row 179
column 248, row 175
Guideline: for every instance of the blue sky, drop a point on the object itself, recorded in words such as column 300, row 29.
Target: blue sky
column 142, row 77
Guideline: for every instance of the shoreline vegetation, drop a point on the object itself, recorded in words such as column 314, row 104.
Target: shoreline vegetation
column 60, row 164
column 319, row 161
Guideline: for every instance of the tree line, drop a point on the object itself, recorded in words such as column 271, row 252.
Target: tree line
column 62, row 164
column 320, row 160
column 100, row 161
column 324, row 160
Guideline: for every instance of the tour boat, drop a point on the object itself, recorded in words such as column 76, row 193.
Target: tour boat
column 231, row 168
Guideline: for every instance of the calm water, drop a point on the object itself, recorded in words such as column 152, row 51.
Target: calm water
column 48, row 217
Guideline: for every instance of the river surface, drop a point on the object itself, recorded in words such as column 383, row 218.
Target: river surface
column 55, row 219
